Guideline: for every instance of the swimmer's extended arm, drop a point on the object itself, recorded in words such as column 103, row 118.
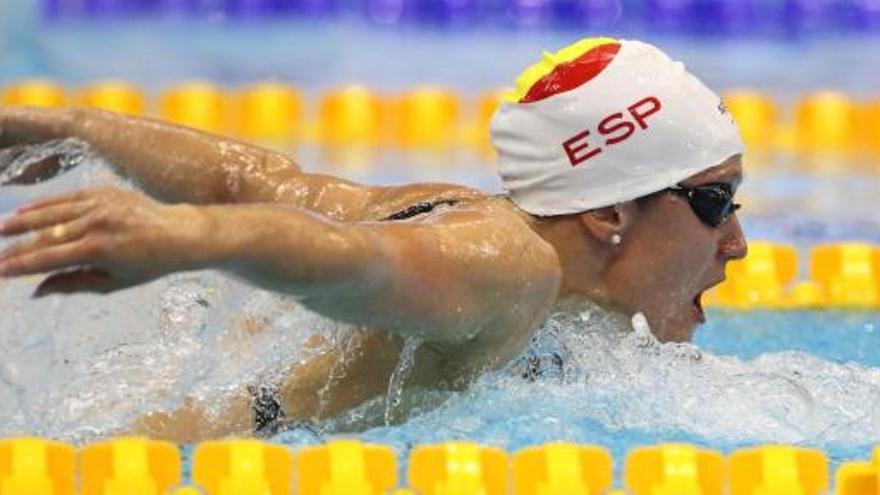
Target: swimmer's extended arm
column 448, row 279
column 179, row 164
column 456, row 276
column 459, row 276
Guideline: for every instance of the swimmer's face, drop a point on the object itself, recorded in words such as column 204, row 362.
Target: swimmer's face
column 669, row 257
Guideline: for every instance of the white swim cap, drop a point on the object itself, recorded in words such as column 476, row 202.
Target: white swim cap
column 605, row 121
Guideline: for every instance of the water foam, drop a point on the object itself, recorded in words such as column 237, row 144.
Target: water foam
column 623, row 389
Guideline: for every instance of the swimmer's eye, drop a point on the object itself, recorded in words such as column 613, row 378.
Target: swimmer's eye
column 712, row 203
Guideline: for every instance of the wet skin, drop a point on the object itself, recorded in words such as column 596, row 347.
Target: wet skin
column 668, row 258
column 472, row 281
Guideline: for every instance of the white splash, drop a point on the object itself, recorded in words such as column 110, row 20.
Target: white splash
column 397, row 382
column 587, row 380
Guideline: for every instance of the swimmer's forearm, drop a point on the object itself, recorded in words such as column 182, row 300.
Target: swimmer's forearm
column 175, row 163
column 181, row 165
column 290, row 250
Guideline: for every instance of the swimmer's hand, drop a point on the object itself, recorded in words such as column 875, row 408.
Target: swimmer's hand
column 20, row 128
column 99, row 240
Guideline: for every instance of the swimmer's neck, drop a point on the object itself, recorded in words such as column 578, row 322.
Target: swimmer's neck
column 583, row 259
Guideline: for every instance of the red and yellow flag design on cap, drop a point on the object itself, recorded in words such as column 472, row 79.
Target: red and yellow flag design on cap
column 567, row 69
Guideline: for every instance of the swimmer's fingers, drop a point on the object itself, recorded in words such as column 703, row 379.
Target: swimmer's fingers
column 79, row 280
column 48, row 237
column 43, row 217
column 49, row 259
column 59, row 199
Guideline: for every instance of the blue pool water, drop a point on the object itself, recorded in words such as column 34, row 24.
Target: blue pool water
column 82, row 366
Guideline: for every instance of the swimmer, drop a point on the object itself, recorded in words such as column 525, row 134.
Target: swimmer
column 620, row 169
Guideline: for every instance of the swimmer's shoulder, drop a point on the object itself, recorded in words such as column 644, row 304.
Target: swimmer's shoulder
column 447, row 204
column 513, row 269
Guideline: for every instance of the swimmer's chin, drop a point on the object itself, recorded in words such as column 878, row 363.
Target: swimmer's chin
column 680, row 334
column 678, row 327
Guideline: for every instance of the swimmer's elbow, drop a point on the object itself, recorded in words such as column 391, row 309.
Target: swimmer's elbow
column 458, row 299
column 345, row 262
column 383, row 292
column 441, row 287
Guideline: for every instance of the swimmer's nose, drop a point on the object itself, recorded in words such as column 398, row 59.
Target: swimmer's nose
column 733, row 245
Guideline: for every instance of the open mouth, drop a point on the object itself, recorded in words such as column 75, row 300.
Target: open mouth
column 697, row 302
column 697, row 307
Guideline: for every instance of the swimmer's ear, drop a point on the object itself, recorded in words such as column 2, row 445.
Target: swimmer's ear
column 602, row 223
column 79, row 280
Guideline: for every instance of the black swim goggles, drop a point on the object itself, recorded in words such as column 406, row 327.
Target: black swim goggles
column 712, row 203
